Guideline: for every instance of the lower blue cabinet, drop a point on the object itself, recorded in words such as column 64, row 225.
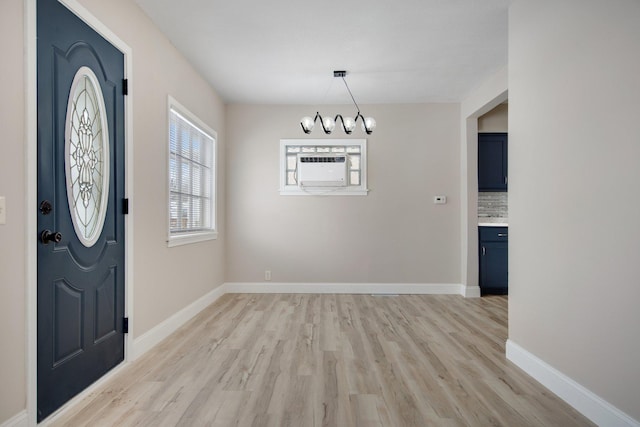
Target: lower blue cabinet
column 493, row 260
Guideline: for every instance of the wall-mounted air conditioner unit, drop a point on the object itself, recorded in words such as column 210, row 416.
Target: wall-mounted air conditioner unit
column 322, row 170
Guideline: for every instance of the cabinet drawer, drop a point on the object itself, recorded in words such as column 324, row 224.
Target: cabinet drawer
column 494, row 234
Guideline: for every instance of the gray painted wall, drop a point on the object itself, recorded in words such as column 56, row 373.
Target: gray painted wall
column 393, row 235
column 574, row 150
column 496, row 120
column 12, row 234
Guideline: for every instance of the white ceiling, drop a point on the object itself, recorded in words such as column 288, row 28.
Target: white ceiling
column 285, row 51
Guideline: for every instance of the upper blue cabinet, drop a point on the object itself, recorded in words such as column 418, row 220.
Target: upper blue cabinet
column 492, row 161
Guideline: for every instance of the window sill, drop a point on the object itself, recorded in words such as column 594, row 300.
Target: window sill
column 186, row 239
column 337, row 191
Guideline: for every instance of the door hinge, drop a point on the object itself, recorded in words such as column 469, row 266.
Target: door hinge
column 125, row 86
column 125, row 325
column 125, row 206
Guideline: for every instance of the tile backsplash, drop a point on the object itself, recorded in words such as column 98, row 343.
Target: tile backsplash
column 492, row 204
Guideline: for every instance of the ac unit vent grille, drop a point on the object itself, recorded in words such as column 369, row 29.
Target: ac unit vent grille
column 318, row 159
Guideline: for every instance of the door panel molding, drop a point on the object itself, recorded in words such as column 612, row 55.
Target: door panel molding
column 31, row 158
column 67, row 302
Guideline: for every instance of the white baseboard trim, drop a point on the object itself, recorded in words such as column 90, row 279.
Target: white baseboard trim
column 18, row 420
column 583, row 400
column 470, row 291
column 149, row 339
column 342, row 288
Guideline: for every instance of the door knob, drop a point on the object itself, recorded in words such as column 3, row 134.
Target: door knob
column 50, row 236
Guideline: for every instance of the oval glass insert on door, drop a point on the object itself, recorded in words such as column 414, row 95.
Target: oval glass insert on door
column 87, row 156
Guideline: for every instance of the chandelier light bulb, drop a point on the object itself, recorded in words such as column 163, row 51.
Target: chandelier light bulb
column 349, row 124
column 329, row 124
column 369, row 125
column 307, row 124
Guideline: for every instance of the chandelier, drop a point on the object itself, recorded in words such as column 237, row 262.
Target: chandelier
column 348, row 123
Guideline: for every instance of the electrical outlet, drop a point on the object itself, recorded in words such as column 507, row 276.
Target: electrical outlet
column 267, row 275
column 3, row 210
column 440, row 200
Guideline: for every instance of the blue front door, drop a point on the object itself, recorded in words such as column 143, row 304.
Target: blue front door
column 80, row 197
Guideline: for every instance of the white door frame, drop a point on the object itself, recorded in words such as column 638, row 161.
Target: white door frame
column 31, row 126
column 491, row 93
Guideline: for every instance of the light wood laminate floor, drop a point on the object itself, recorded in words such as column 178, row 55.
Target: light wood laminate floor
column 330, row 360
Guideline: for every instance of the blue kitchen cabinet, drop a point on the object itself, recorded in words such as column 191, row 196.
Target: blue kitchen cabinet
column 492, row 162
column 493, row 260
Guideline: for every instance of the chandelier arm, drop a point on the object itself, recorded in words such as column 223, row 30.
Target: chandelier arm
column 318, row 116
column 364, row 124
column 344, row 128
column 315, row 119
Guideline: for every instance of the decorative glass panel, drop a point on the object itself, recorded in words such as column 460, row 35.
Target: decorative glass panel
column 291, row 178
column 323, row 149
column 354, row 177
column 308, row 149
column 338, row 149
column 87, row 156
column 293, row 149
column 354, row 162
column 353, row 149
column 291, row 162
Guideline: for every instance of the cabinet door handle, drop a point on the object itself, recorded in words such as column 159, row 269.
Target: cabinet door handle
column 503, row 234
column 484, row 251
column 506, row 180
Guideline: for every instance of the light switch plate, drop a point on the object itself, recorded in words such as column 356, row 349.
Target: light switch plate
column 440, row 200
column 3, row 211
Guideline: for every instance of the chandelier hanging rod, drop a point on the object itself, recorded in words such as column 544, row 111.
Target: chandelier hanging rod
column 341, row 74
column 348, row 123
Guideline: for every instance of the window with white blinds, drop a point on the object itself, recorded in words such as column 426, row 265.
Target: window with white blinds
column 192, row 147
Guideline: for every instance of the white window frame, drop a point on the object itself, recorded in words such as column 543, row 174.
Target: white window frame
column 349, row 190
column 183, row 238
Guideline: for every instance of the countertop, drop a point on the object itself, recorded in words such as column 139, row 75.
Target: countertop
column 493, row 222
